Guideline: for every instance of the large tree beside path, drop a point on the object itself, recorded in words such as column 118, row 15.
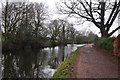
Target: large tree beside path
column 100, row 12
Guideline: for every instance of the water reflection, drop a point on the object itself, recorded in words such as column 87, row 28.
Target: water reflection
column 34, row 63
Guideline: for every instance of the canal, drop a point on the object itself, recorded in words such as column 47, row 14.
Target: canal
column 35, row 63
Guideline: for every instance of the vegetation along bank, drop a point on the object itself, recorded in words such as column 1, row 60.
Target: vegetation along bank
column 65, row 69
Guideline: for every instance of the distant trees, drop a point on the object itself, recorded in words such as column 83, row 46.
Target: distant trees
column 54, row 28
column 102, row 13
column 85, row 37
column 40, row 13
column 61, row 31
column 24, row 26
column 71, row 33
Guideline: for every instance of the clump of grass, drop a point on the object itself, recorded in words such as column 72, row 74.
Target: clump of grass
column 65, row 69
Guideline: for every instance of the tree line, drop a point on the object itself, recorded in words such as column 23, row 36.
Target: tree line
column 27, row 25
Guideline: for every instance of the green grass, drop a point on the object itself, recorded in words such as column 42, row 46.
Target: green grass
column 65, row 69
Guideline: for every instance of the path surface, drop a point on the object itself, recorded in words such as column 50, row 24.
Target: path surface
column 93, row 64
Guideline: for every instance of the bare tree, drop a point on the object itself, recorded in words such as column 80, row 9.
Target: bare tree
column 40, row 12
column 94, row 11
column 54, row 28
column 11, row 15
column 71, row 33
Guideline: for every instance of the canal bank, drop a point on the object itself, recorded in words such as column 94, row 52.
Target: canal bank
column 66, row 67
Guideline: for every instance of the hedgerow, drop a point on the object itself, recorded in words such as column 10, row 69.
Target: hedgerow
column 106, row 43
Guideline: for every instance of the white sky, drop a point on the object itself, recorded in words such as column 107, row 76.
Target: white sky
column 53, row 14
column 86, row 26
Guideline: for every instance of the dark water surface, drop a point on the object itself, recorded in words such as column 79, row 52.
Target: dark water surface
column 34, row 64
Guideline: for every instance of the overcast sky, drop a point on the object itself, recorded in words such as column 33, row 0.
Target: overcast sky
column 54, row 14
column 85, row 26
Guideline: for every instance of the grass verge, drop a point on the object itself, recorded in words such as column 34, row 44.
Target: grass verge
column 65, row 69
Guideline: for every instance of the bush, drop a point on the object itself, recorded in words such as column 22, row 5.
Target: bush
column 106, row 43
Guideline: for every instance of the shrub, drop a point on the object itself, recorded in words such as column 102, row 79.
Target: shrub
column 106, row 43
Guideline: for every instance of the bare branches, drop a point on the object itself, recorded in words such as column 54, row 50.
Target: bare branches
column 93, row 11
column 12, row 17
column 111, row 14
column 114, row 31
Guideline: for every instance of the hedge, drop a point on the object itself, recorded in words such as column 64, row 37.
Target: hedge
column 106, row 43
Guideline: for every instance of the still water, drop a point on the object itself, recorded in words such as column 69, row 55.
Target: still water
column 35, row 64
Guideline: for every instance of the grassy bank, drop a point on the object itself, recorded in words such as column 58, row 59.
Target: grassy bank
column 65, row 69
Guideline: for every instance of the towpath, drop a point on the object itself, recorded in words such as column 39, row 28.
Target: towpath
column 93, row 63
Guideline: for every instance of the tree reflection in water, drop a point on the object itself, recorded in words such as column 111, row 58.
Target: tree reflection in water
column 33, row 63
column 24, row 64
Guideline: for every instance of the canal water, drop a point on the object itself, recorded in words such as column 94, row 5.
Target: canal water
column 35, row 64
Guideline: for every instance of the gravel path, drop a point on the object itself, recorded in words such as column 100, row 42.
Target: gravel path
column 92, row 64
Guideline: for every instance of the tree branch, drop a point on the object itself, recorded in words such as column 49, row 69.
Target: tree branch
column 111, row 14
column 93, row 19
column 74, row 12
column 115, row 15
column 114, row 31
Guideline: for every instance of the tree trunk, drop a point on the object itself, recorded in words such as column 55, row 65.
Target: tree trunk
column 104, row 34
